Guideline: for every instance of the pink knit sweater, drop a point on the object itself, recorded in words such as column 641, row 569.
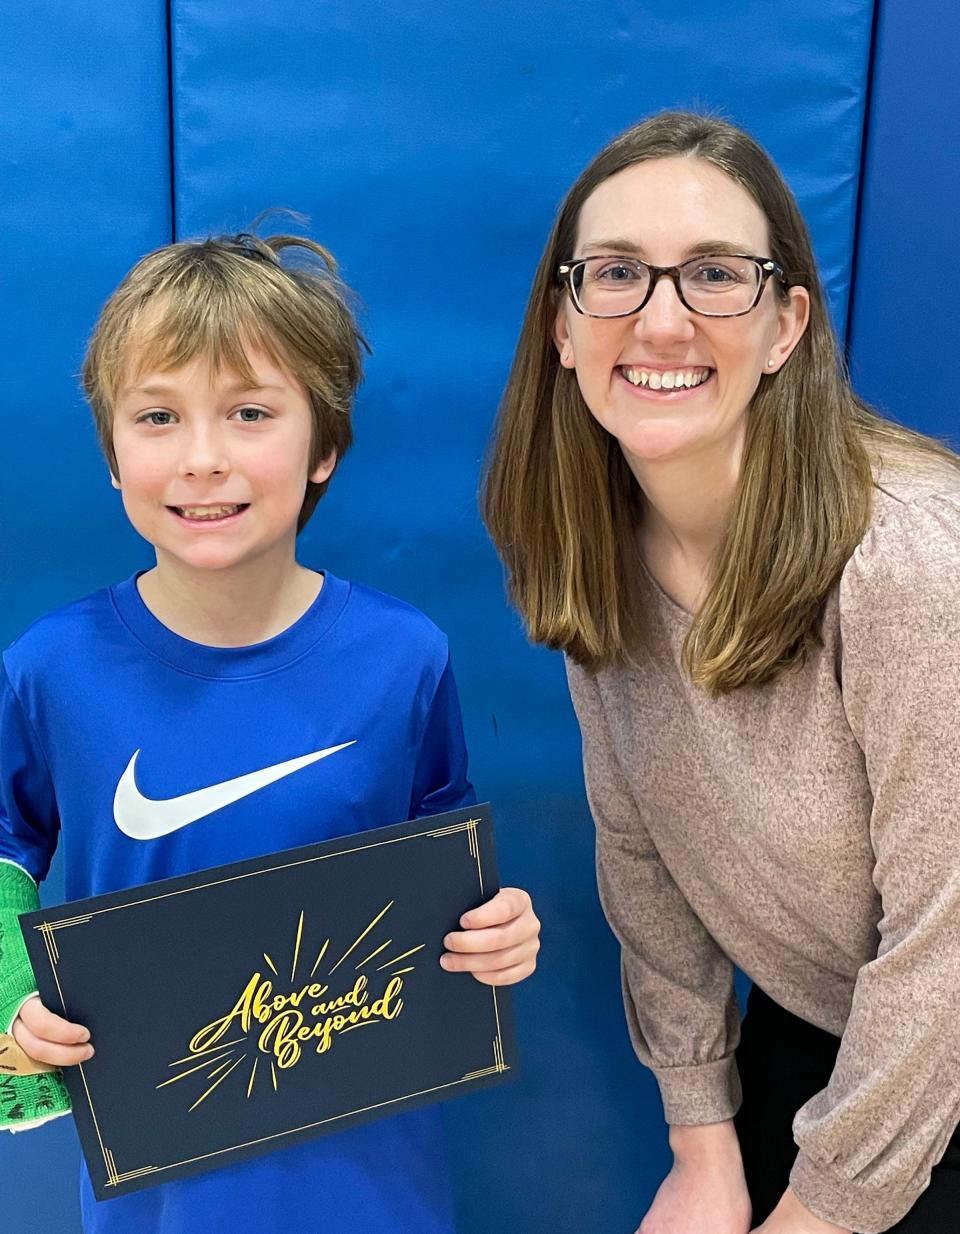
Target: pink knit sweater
column 808, row 831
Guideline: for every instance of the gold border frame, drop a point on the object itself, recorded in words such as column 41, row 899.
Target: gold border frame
column 48, row 929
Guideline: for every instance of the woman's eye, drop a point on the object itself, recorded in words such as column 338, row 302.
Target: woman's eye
column 715, row 274
column 616, row 272
column 157, row 418
column 250, row 415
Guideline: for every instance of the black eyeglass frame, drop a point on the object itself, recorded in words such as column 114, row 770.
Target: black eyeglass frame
column 766, row 265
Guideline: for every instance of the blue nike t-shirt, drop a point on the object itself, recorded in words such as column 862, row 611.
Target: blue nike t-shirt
column 146, row 756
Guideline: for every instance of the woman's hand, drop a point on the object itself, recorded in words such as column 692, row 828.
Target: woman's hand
column 49, row 1038
column 499, row 941
column 705, row 1190
column 792, row 1217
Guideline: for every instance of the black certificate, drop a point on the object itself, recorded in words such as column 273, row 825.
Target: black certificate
column 241, row 1009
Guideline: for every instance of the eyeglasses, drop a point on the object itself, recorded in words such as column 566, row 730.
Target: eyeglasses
column 716, row 285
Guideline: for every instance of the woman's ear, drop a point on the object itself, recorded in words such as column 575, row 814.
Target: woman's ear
column 793, row 319
column 561, row 338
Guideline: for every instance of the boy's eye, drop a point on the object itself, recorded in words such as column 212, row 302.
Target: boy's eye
column 250, row 415
column 158, row 418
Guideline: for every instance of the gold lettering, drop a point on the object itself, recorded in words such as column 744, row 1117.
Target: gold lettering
column 284, row 1025
column 358, row 994
column 212, row 1033
column 353, row 998
column 280, row 1038
column 261, row 1004
column 382, row 1006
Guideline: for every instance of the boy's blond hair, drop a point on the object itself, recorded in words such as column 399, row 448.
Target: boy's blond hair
column 218, row 297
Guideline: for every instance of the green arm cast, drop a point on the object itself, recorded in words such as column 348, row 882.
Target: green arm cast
column 18, row 894
column 25, row 1100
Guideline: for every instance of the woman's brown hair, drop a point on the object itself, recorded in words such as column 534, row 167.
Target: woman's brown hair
column 562, row 506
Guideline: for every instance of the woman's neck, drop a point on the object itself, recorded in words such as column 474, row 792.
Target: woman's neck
column 229, row 608
column 687, row 502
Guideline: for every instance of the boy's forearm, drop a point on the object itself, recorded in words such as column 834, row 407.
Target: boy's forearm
column 18, row 894
column 31, row 1093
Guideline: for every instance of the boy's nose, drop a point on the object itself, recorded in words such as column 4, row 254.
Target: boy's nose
column 204, row 456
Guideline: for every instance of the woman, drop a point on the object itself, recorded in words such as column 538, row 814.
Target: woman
column 756, row 584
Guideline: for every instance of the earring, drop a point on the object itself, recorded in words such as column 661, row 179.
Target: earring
column 769, row 364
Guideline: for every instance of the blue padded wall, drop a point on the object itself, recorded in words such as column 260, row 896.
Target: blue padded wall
column 84, row 168
column 905, row 319
column 430, row 145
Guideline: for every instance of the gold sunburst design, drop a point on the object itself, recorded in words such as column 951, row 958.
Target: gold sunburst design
column 280, row 1025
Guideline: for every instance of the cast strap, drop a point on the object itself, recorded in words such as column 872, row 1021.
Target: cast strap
column 13, row 1061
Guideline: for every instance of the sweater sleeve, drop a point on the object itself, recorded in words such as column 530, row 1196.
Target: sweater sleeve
column 869, row 1140
column 677, row 983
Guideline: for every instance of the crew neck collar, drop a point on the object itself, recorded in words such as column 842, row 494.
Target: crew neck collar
column 202, row 660
column 677, row 615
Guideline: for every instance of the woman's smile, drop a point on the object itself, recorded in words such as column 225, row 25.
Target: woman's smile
column 665, row 385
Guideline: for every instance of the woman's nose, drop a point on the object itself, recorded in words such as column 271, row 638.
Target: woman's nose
column 664, row 316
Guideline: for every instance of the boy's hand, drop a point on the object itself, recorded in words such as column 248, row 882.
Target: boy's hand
column 13, row 1061
column 499, row 941
column 49, row 1038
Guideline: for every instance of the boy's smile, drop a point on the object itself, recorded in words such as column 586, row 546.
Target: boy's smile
column 213, row 470
column 209, row 514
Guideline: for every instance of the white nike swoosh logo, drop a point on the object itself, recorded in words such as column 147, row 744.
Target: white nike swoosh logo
column 143, row 818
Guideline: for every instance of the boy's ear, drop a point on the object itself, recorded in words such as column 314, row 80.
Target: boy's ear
column 323, row 470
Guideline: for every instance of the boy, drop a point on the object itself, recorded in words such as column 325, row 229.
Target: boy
column 221, row 381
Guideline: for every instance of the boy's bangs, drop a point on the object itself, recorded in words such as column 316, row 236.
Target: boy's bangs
column 171, row 333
